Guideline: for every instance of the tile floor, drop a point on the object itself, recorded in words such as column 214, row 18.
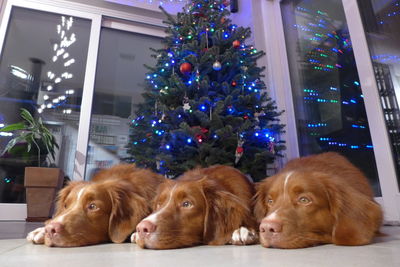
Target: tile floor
column 16, row 252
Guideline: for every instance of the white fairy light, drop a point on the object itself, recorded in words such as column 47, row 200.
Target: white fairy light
column 69, row 62
column 49, row 87
column 62, row 97
column 49, row 105
column 40, row 110
column 45, row 97
column 60, row 52
column 65, row 55
column 57, row 80
column 55, row 100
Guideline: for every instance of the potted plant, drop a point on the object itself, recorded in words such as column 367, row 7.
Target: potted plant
column 41, row 183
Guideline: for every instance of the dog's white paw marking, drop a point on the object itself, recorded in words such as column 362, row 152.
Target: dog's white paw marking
column 243, row 236
column 133, row 237
column 36, row 236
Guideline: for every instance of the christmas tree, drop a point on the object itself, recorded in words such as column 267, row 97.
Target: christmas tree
column 205, row 102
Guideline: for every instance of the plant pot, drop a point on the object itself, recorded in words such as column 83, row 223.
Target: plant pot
column 42, row 185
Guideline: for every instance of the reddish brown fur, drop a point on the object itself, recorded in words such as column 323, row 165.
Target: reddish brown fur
column 122, row 195
column 220, row 198
column 342, row 210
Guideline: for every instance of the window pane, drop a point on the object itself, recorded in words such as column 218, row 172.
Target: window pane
column 382, row 25
column 119, row 78
column 329, row 105
column 42, row 69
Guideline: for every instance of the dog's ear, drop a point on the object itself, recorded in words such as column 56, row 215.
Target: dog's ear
column 63, row 194
column 260, row 207
column 128, row 208
column 357, row 217
column 224, row 213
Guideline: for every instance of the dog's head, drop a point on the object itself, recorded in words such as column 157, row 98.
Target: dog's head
column 304, row 208
column 90, row 213
column 188, row 213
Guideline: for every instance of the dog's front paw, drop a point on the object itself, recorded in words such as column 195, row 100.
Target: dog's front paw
column 133, row 237
column 244, row 236
column 36, row 236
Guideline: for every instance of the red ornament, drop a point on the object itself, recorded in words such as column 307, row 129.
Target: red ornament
column 239, row 149
column 236, row 44
column 204, row 130
column 149, row 134
column 223, row 20
column 198, row 14
column 199, row 138
column 234, row 83
column 185, row 68
column 246, row 117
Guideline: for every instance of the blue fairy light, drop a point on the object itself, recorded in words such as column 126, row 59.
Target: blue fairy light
column 203, row 107
column 189, row 140
column 257, row 134
column 168, row 147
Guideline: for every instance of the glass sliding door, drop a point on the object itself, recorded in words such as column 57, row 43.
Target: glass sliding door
column 327, row 96
column 381, row 21
column 118, row 87
column 42, row 69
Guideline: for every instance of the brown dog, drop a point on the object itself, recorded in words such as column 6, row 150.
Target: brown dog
column 204, row 206
column 315, row 200
column 106, row 209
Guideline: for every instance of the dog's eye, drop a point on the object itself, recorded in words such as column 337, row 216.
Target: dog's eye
column 92, row 206
column 304, row 200
column 187, row 204
column 270, row 201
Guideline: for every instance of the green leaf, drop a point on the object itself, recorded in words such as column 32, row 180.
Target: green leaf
column 12, row 143
column 26, row 115
column 13, row 127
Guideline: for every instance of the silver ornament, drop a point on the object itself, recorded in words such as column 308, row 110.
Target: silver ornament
column 217, row 65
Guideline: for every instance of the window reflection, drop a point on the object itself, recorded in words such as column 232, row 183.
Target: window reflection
column 118, row 88
column 381, row 21
column 42, row 69
column 329, row 104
